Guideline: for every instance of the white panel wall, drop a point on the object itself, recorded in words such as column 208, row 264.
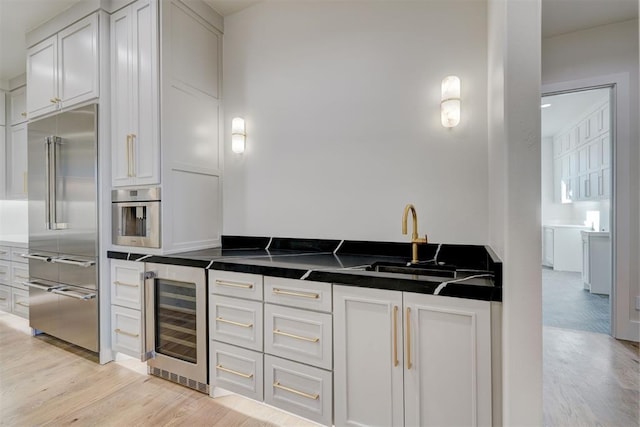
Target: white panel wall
column 341, row 101
column 514, row 195
column 609, row 54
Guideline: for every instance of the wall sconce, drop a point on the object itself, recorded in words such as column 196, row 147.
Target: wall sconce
column 450, row 103
column 238, row 135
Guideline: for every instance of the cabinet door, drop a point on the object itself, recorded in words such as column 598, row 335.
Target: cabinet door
column 42, row 74
column 368, row 355
column 5, row 298
column 78, row 62
column 17, row 162
column 121, row 92
column 604, row 183
column 20, row 302
column 18, row 105
column 447, row 377
column 127, row 336
column 134, row 68
column 144, row 103
column 127, row 284
column 585, row 262
column 547, row 246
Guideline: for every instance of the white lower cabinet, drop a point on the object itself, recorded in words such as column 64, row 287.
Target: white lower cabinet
column 431, row 365
column 236, row 321
column 5, row 298
column 127, row 307
column 298, row 388
column 236, row 369
column 20, row 302
column 14, row 271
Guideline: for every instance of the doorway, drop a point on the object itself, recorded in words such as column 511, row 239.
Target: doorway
column 577, row 170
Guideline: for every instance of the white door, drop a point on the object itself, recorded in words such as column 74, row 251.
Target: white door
column 368, row 355
column 78, row 62
column 18, row 105
column 42, row 72
column 447, row 376
column 17, row 162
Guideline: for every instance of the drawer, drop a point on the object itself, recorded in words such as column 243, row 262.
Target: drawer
column 241, row 285
column 236, row 369
column 19, row 274
column 5, row 272
column 5, row 298
column 236, row 321
column 5, row 253
column 297, row 388
column 298, row 293
column 127, row 284
column 126, row 331
column 20, row 302
column 300, row 335
column 16, row 255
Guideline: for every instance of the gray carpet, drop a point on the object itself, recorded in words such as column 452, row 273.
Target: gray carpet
column 566, row 304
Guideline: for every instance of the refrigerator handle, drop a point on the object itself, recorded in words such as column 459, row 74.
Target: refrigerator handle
column 47, row 177
column 55, row 145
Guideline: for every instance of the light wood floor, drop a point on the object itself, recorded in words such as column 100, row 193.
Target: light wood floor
column 46, row 382
column 589, row 379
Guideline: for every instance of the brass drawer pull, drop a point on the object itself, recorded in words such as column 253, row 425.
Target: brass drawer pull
column 234, row 284
column 395, row 335
column 24, row 304
column 3, row 272
column 20, row 276
column 120, row 331
column 294, row 391
column 231, row 371
column 298, row 337
column 131, row 285
column 231, row 322
column 3, row 299
column 311, row 295
column 409, row 338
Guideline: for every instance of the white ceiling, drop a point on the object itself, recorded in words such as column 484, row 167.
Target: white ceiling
column 567, row 108
column 19, row 16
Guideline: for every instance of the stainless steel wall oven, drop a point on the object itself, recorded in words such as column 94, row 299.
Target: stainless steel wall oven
column 176, row 336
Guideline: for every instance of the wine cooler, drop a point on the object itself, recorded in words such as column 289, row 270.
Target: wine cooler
column 176, row 334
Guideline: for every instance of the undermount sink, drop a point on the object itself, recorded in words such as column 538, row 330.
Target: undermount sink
column 415, row 269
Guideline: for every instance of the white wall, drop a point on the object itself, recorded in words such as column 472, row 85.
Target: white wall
column 601, row 55
column 514, row 199
column 341, row 101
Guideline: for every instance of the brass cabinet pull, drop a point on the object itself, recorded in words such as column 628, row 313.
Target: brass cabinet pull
column 408, row 338
column 24, row 304
column 395, row 335
column 53, row 100
column 23, row 114
column 20, row 276
column 298, row 337
column 3, row 252
column 131, row 285
column 231, row 371
column 294, row 391
column 133, row 168
column 3, row 299
column 3, row 272
column 231, row 322
column 311, row 295
column 120, row 331
column 234, row 284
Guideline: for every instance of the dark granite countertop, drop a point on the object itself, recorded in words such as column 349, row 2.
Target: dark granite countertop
column 464, row 271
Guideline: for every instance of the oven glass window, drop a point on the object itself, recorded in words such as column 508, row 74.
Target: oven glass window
column 134, row 221
column 175, row 308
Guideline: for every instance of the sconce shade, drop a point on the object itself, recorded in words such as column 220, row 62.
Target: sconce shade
column 450, row 102
column 238, row 135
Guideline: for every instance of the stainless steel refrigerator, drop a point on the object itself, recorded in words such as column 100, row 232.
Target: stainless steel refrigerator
column 63, row 239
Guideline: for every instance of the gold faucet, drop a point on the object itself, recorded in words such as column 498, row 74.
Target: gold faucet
column 415, row 240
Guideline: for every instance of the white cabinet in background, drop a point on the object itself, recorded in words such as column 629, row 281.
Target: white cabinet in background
column 18, row 105
column 63, row 70
column 561, row 247
column 16, row 162
column 596, row 256
column 547, row 246
column 134, row 95
column 431, row 365
column 14, row 270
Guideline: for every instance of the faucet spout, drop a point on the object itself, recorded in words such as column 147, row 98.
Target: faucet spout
column 415, row 240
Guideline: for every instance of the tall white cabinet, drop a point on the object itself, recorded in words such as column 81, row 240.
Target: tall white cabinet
column 165, row 79
column 134, row 94
column 431, row 365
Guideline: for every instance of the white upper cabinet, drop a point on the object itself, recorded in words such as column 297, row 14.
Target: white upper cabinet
column 134, row 91
column 63, row 70
column 16, row 178
column 18, row 106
